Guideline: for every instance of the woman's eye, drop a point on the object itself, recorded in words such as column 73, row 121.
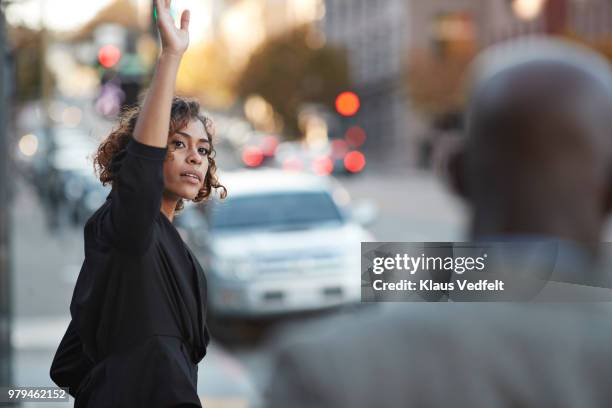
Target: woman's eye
column 203, row 151
column 178, row 143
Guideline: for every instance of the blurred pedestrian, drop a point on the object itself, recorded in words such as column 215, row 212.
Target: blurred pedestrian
column 53, row 186
column 537, row 165
column 138, row 310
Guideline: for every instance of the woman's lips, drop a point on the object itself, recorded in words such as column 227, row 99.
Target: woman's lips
column 192, row 179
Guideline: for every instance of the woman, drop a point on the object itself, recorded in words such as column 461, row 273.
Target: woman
column 139, row 305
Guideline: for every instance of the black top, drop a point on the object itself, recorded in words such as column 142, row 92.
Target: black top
column 138, row 322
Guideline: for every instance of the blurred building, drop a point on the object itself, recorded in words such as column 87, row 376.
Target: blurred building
column 283, row 15
column 434, row 40
column 246, row 24
column 495, row 20
column 375, row 35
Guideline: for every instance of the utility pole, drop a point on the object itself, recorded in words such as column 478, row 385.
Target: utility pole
column 46, row 84
column 5, row 299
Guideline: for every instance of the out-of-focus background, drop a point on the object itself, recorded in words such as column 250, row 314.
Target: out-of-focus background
column 333, row 118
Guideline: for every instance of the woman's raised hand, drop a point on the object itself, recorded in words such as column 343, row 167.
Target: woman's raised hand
column 174, row 40
column 153, row 121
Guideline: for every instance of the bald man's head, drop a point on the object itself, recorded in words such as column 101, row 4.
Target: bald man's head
column 539, row 140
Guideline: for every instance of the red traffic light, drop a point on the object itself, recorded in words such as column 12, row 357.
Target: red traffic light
column 252, row 156
column 347, row 103
column 109, row 55
column 354, row 161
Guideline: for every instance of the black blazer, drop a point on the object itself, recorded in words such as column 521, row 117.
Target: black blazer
column 138, row 309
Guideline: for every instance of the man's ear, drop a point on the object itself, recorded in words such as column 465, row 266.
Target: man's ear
column 607, row 205
column 456, row 169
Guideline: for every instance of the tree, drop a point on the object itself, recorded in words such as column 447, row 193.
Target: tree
column 121, row 12
column 290, row 70
column 436, row 81
column 26, row 48
column 206, row 73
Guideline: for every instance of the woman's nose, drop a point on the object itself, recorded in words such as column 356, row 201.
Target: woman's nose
column 194, row 157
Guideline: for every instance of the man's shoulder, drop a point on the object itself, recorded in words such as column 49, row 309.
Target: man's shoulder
column 365, row 359
column 410, row 326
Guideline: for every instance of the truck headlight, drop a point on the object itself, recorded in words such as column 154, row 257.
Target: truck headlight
column 234, row 268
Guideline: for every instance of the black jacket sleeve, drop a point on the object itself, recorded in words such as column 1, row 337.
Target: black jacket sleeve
column 136, row 197
column 70, row 365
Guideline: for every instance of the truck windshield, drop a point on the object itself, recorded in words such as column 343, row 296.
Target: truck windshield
column 273, row 211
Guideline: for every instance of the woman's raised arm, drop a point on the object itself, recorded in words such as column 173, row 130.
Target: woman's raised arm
column 138, row 188
column 153, row 122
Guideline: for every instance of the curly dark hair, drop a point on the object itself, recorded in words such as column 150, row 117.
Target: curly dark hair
column 109, row 153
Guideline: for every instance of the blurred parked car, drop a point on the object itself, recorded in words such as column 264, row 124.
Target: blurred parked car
column 281, row 242
column 80, row 192
column 258, row 150
column 335, row 157
column 61, row 169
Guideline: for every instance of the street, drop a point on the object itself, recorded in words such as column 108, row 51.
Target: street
column 412, row 206
column 46, row 265
column 377, row 94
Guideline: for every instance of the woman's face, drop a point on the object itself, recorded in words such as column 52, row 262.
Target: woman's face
column 187, row 165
